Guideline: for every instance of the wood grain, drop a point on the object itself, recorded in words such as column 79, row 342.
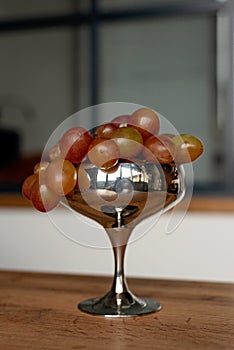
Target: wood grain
column 38, row 311
column 212, row 204
column 13, row 200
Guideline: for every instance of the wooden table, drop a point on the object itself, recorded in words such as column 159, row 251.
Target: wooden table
column 39, row 311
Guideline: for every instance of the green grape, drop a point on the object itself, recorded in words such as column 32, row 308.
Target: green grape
column 83, row 178
column 129, row 141
column 188, row 148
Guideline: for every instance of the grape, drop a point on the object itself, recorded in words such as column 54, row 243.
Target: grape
column 146, row 121
column 129, row 138
column 74, row 144
column 43, row 199
column 41, row 166
column 161, row 148
column 111, row 170
column 169, row 135
column 129, row 141
column 104, row 153
column 188, row 148
column 121, row 120
column 28, row 184
column 83, row 182
column 61, row 176
column 70, row 194
column 105, row 130
column 55, row 152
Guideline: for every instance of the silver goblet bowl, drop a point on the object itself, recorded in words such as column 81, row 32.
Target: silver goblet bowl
column 119, row 200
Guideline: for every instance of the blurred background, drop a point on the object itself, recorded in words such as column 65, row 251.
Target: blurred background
column 60, row 56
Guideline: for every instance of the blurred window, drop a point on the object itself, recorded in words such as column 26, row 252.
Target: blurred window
column 173, row 56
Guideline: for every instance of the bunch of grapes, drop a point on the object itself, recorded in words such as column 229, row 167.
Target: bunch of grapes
column 127, row 138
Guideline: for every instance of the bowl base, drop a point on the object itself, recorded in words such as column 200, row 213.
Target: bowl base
column 101, row 307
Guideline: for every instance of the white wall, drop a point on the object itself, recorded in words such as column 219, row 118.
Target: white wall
column 200, row 249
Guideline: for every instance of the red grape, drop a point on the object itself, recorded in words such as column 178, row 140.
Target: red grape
column 70, row 194
column 168, row 135
column 105, row 130
column 129, row 141
column 128, row 138
column 28, row 184
column 55, row 152
column 161, row 148
column 121, row 120
column 104, row 153
column 41, row 166
column 61, row 176
column 146, row 121
column 188, row 148
column 43, row 199
column 74, row 144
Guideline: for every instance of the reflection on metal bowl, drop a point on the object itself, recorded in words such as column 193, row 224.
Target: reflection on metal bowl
column 128, row 195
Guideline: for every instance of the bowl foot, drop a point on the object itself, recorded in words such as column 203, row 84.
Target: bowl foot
column 119, row 305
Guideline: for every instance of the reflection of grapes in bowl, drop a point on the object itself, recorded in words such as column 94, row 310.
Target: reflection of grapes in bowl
column 133, row 192
column 117, row 174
